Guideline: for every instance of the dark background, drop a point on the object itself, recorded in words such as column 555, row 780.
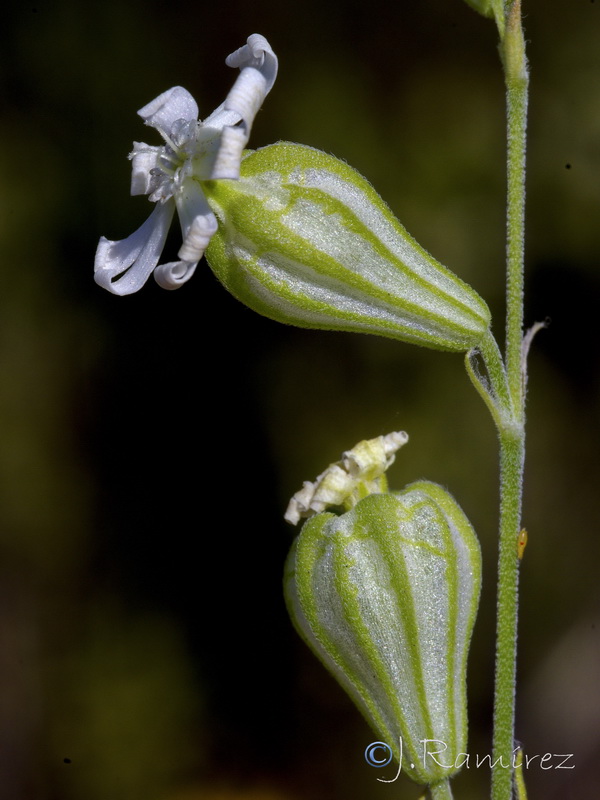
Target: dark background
column 146, row 652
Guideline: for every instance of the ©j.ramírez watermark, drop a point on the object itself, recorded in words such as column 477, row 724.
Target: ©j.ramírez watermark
column 380, row 754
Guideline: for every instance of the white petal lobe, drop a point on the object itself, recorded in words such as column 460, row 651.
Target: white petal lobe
column 143, row 159
column 229, row 156
column 164, row 110
column 198, row 237
column 124, row 266
column 174, row 274
column 256, row 53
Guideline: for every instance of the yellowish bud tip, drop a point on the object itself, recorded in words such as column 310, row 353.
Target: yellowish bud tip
column 359, row 473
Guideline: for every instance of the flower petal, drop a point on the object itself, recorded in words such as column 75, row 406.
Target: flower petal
column 124, row 266
column 221, row 118
column 198, row 237
column 143, row 157
column 258, row 65
column 256, row 53
column 228, row 158
column 198, row 223
column 174, row 274
column 168, row 107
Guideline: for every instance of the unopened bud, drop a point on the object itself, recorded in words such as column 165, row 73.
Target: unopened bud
column 386, row 596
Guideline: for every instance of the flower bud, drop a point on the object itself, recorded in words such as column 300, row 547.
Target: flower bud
column 304, row 239
column 386, row 596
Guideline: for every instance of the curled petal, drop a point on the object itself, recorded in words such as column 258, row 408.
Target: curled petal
column 220, row 118
column 300, row 503
column 174, row 274
column 345, row 482
column 370, row 458
column 258, row 65
column 229, row 155
column 198, row 237
column 143, row 158
column 198, row 223
column 124, row 266
column 246, row 96
column 168, row 107
column 256, row 53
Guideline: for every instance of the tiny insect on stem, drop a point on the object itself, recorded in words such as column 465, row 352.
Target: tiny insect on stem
column 521, row 543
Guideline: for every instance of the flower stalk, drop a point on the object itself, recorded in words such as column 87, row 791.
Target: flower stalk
column 440, row 791
column 512, row 436
column 517, row 84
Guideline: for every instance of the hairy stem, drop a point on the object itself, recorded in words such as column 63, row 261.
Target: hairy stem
column 440, row 791
column 512, row 453
column 517, row 84
column 512, row 435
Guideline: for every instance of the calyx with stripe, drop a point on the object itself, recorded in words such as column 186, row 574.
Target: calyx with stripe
column 386, row 596
column 304, row 239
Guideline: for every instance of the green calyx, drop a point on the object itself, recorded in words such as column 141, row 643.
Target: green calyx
column 304, row 239
column 386, row 596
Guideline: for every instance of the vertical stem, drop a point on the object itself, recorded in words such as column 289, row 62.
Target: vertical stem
column 512, row 434
column 512, row 452
column 519, row 780
column 440, row 791
column 517, row 84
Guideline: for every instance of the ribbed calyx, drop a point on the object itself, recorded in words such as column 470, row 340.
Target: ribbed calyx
column 304, row 239
column 386, row 596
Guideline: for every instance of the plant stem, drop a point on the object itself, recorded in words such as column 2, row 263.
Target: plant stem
column 517, row 84
column 511, row 434
column 512, row 452
column 519, row 780
column 440, row 791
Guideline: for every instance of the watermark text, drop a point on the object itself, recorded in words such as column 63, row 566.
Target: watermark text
column 435, row 751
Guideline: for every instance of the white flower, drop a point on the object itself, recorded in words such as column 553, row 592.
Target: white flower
column 172, row 174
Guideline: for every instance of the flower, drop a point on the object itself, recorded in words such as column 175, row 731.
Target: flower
column 172, row 174
column 295, row 234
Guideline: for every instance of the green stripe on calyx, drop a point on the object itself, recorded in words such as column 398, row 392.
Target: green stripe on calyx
column 357, row 303
column 392, row 675
column 305, row 239
column 384, row 233
column 386, row 595
column 411, row 289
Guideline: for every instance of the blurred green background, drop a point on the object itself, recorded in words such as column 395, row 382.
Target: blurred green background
column 145, row 650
